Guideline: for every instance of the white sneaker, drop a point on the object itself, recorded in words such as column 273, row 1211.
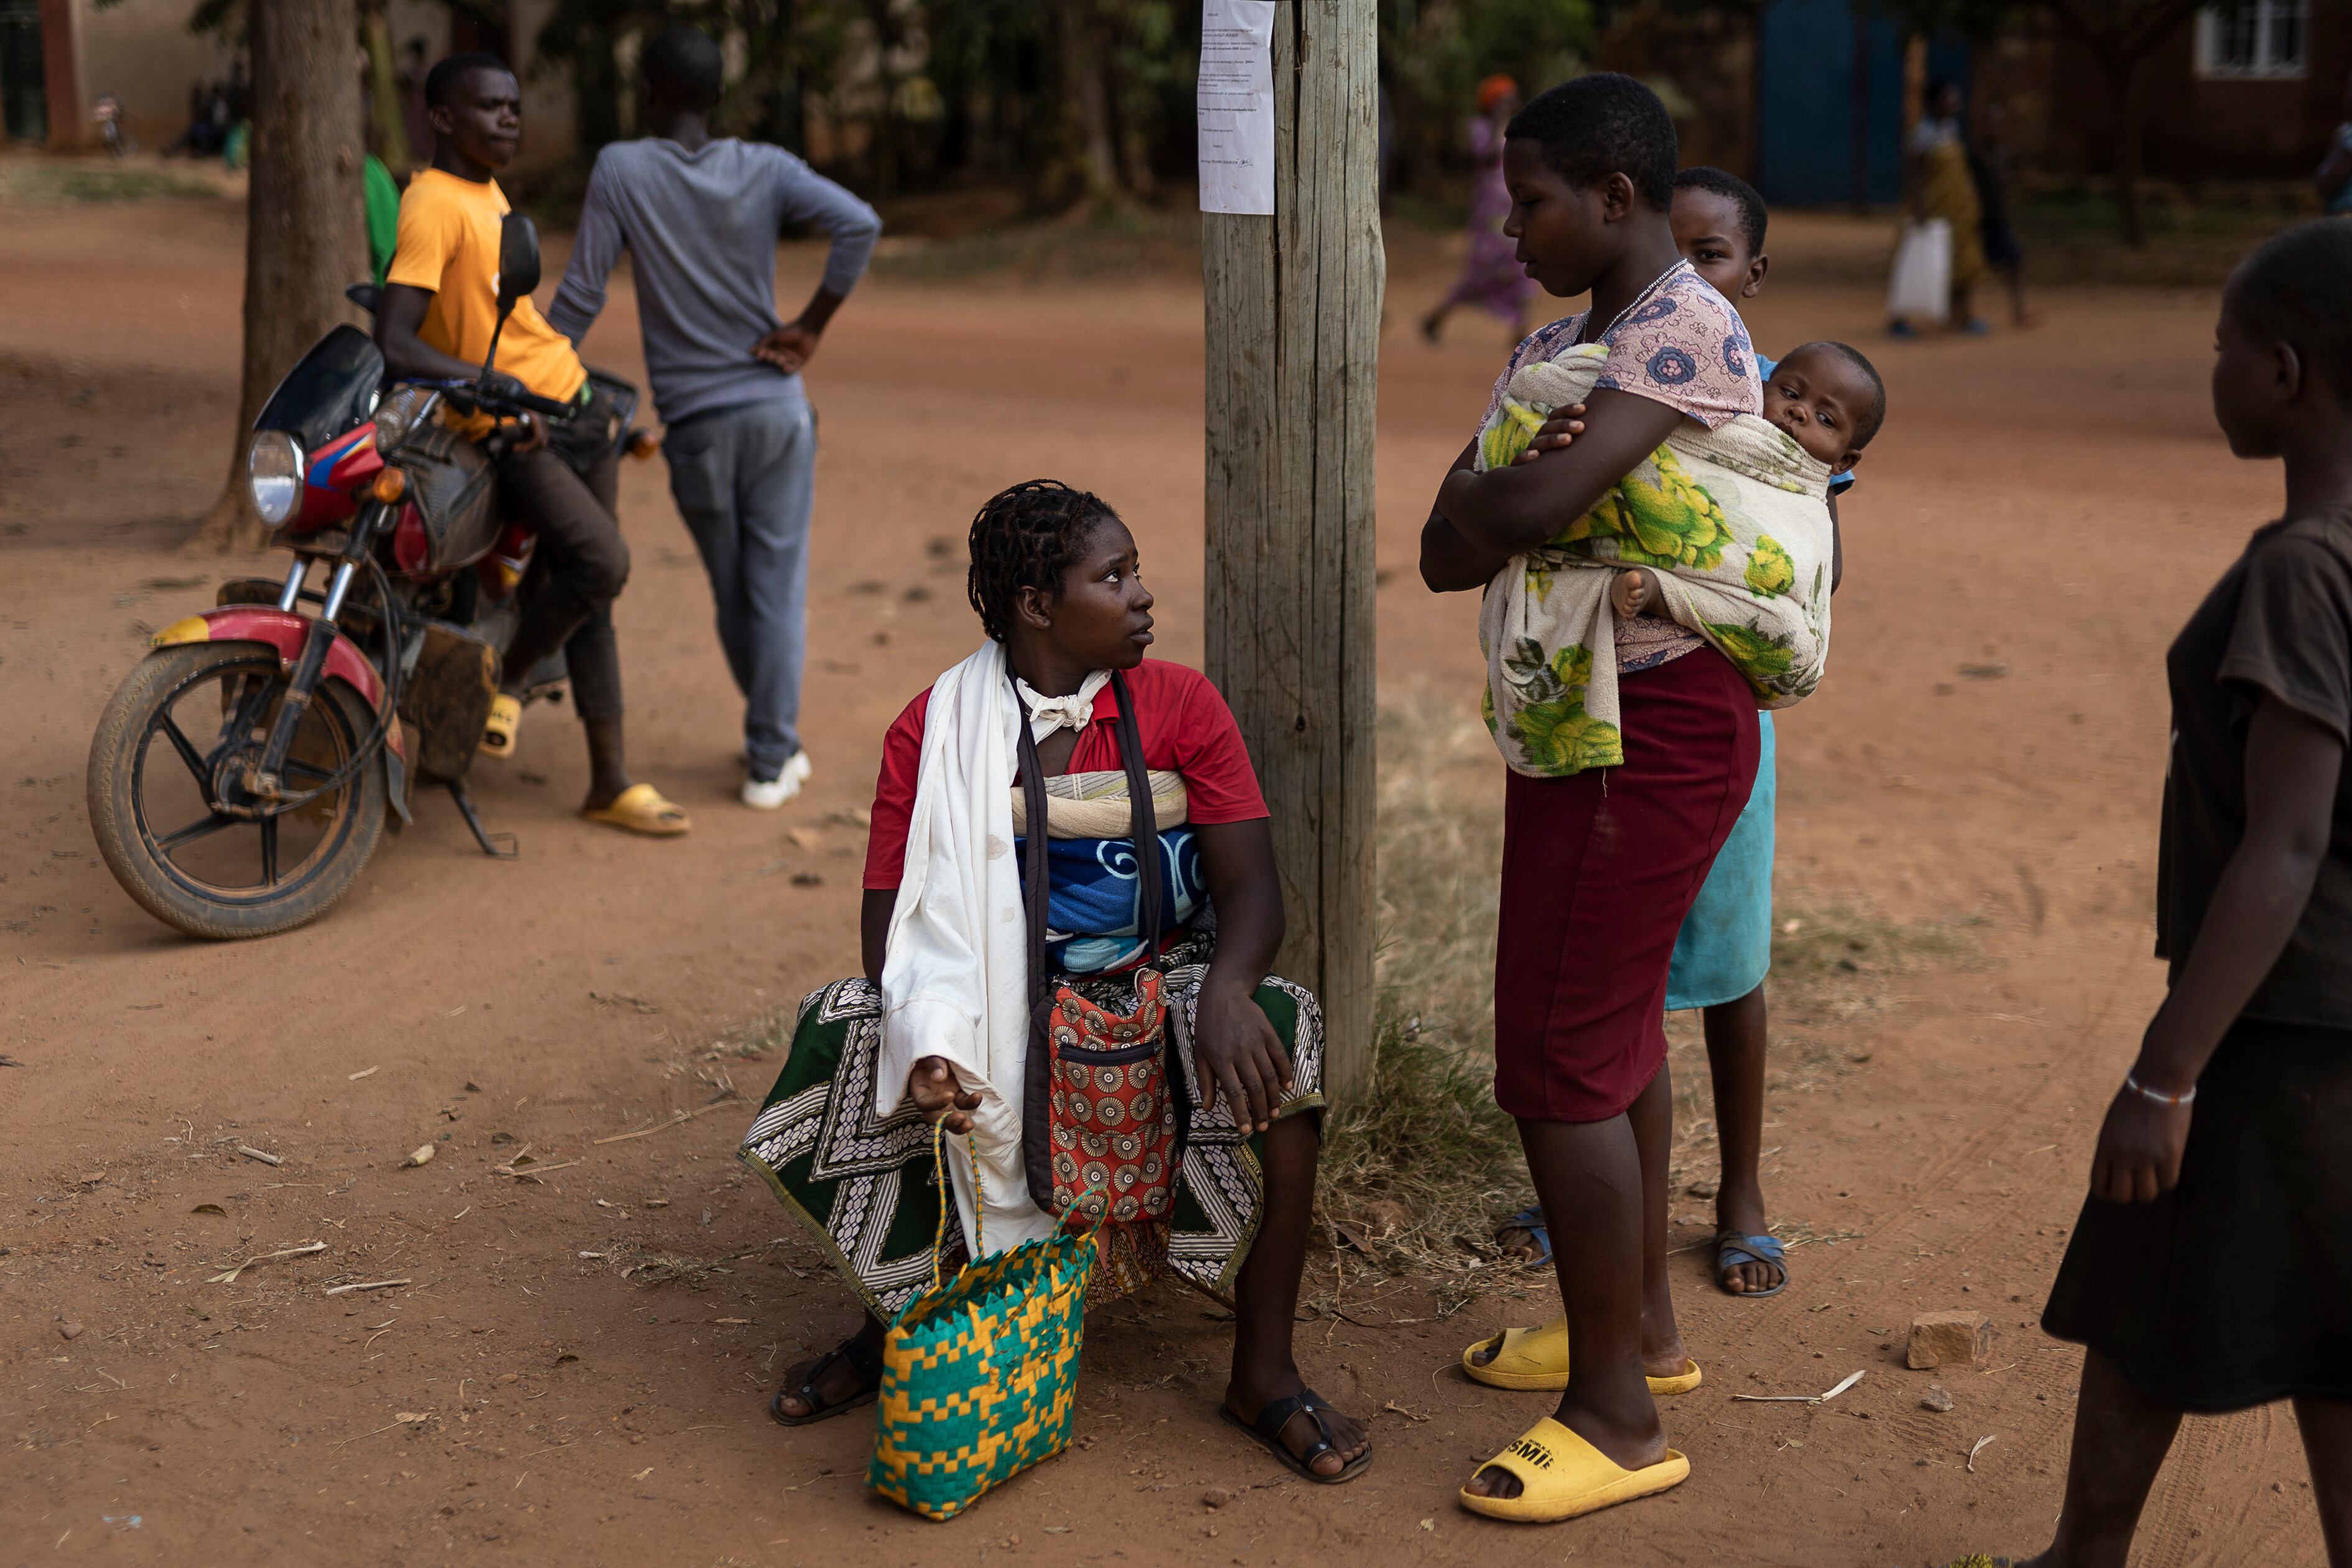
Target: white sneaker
column 769, row 794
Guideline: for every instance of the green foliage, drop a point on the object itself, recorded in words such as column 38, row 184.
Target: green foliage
column 1433, row 54
column 1070, row 101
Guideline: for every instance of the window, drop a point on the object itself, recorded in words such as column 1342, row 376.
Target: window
column 2254, row 38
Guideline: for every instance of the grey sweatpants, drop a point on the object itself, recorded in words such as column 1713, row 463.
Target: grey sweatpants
column 744, row 477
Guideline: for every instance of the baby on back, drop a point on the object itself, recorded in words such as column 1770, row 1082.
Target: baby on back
column 1827, row 398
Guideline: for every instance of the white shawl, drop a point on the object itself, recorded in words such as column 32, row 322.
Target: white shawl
column 955, row 979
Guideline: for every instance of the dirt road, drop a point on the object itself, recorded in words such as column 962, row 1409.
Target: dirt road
column 1984, row 762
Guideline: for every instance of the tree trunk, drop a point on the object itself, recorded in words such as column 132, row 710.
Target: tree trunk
column 889, row 36
column 1293, row 309
column 305, row 227
column 2122, row 73
column 598, row 92
column 1088, row 100
column 780, row 119
column 386, row 123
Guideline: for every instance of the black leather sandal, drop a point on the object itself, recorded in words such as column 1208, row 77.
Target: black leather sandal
column 862, row 1358
column 1276, row 1414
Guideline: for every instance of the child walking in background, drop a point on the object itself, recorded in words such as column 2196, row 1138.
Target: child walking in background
column 1491, row 277
column 1590, row 899
column 2207, row 1270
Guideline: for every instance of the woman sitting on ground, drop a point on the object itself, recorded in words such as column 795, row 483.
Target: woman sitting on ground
column 937, row 1031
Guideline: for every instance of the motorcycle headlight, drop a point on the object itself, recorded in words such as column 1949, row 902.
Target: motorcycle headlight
column 273, row 474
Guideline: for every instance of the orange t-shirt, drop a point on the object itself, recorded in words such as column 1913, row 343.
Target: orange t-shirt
column 448, row 244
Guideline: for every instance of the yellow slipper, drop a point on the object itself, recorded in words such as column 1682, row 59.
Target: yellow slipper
column 1537, row 1358
column 498, row 729
column 640, row 808
column 1561, row 1475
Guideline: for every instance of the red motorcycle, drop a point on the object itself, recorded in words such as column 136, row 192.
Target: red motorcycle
column 243, row 773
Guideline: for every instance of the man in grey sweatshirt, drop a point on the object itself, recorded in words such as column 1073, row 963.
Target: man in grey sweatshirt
column 699, row 217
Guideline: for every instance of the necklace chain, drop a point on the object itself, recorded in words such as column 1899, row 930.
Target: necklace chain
column 1591, row 336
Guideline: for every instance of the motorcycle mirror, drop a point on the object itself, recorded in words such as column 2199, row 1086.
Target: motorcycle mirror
column 518, row 260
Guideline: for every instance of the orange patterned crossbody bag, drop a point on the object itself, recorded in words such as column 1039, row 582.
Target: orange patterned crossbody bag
column 1102, row 1126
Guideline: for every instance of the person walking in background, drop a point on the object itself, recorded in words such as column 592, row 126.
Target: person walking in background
column 1989, row 157
column 700, row 216
column 1491, row 275
column 2333, row 178
column 236, row 123
column 1941, row 187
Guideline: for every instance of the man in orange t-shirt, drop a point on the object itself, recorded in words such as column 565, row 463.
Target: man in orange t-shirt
column 439, row 311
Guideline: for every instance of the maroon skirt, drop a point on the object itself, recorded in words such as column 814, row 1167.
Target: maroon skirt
column 1599, row 870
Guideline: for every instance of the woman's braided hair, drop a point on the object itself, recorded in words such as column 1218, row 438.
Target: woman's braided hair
column 1026, row 537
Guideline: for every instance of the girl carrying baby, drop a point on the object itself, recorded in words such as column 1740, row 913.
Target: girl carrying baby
column 1601, row 862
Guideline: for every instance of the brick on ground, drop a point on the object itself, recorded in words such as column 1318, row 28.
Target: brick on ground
column 1949, row 1338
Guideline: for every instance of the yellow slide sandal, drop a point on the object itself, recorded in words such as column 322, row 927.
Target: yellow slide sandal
column 498, row 729
column 1537, row 1358
column 1561, row 1475
column 640, row 808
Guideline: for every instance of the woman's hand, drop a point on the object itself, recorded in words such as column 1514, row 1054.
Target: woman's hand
column 940, row 1096
column 1239, row 1056
column 1560, row 430
column 2139, row 1148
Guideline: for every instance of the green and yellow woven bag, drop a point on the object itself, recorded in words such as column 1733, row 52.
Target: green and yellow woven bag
column 980, row 1374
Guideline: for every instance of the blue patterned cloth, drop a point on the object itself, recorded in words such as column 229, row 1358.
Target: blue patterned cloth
column 1092, row 910
column 1725, row 947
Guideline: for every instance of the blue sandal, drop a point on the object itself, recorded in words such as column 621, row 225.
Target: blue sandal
column 1532, row 1222
column 1733, row 1249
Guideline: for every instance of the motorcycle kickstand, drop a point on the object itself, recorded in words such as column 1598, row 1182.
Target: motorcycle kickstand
column 482, row 837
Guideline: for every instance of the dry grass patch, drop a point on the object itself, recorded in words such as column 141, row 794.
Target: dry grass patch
column 1417, row 1177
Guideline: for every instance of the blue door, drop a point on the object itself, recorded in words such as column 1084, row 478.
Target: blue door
column 1829, row 102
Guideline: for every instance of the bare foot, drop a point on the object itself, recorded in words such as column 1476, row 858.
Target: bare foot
column 1346, row 1434
column 1519, row 1241
column 1635, row 591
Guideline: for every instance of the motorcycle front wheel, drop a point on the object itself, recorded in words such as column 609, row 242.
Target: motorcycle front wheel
column 177, row 725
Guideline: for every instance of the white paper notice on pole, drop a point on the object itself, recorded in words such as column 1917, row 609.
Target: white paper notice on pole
column 1235, row 104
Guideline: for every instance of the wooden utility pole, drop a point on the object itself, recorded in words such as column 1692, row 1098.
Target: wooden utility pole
column 1293, row 329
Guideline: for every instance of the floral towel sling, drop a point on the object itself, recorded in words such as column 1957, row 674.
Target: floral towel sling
column 1735, row 524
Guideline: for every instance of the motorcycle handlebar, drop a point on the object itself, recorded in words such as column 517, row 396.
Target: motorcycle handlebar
column 469, row 397
column 546, row 405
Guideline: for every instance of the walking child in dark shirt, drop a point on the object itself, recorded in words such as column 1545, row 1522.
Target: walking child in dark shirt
column 2209, row 1267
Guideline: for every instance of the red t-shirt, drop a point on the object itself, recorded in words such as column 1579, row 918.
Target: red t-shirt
column 1185, row 727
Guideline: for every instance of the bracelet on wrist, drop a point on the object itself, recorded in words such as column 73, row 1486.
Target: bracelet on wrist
column 2158, row 1096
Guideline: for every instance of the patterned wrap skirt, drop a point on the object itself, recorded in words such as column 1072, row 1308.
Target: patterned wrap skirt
column 864, row 1184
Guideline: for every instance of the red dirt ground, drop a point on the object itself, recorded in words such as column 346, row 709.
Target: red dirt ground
column 572, row 1415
